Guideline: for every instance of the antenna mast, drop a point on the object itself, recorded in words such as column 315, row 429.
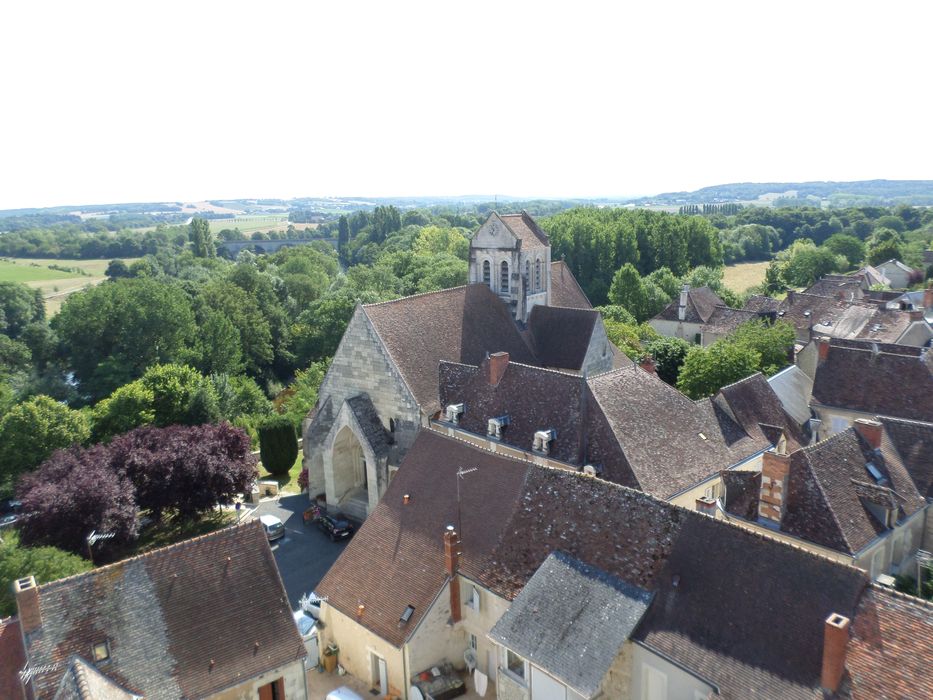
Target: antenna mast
column 461, row 472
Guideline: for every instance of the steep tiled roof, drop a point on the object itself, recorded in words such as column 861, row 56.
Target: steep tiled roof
column 725, row 319
column 572, row 619
column 669, row 441
column 890, row 648
column 838, row 287
column 760, row 303
column 173, row 618
column 565, row 290
column 533, row 398
column 701, row 302
column 822, row 310
column 829, row 486
column 752, row 403
column 460, row 325
column 526, row 230
column 913, row 442
column 765, row 643
column 879, row 383
column 83, row 681
column 560, row 337
column 793, row 387
column 397, row 557
column 12, row 659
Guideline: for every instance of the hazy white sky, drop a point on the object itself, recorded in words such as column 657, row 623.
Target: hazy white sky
column 130, row 101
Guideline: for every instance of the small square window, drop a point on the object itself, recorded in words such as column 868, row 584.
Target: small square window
column 515, row 663
column 473, row 642
column 101, row 652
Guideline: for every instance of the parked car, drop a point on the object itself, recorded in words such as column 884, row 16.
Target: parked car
column 274, row 527
column 335, row 526
column 343, row 693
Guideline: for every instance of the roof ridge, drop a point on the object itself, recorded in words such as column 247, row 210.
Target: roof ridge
column 911, row 421
column 415, row 296
column 150, row 553
column 485, row 449
column 906, row 597
column 743, row 379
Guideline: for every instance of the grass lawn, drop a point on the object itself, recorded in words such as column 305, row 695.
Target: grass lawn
column 55, row 285
column 287, row 482
column 740, row 277
column 251, row 223
column 19, row 270
column 170, row 531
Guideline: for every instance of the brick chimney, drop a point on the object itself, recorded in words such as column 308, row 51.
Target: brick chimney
column 707, row 506
column 452, row 565
column 870, row 430
column 928, row 298
column 647, row 364
column 774, row 471
column 496, row 364
column 822, row 348
column 27, row 602
column 835, row 640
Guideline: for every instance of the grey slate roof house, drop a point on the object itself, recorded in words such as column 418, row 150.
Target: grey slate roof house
column 168, row 624
column 684, row 604
column 388, row 358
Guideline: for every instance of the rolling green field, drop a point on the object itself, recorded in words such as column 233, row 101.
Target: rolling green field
column 55, row 285
column 740, row 277
column 251, row 223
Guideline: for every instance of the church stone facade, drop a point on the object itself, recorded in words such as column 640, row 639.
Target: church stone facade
column 382, row 385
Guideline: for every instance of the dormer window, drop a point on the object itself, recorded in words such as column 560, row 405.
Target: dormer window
column 453, row 412
column 496, row 426
column 543, row 440
column 101, row 651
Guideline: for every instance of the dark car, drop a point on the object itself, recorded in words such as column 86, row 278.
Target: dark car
column 336, row 526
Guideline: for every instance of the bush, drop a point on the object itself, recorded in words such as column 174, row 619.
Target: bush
column 303, row 479
column 278, row 445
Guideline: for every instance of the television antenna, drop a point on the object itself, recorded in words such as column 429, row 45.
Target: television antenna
column 461, row 472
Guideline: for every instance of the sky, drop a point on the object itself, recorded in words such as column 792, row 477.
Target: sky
column 106, row 102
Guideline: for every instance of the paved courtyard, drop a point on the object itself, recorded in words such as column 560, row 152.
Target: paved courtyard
column 305, row 553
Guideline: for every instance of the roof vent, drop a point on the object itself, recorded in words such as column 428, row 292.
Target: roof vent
column 453, row 412
column 406, row 616
column 543, row 440
column 495, row 426
column 590, row 470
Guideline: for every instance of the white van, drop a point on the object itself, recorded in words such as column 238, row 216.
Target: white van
column 274, row 527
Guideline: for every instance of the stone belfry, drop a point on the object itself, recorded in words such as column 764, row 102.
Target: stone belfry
column 512, row 256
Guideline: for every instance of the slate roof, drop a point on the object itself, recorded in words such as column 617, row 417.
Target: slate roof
column 890, row 648
column 571, row 620
column 793, row 387
column 525, row 229
column 83, row 681
column 370, row 425
column 886, row 383
column 460, row 324
column 913, row 442
column 829, row 485
column 560, row 337
column 823, row 310
column 396, row 558
column 12, row 659
column 701, row 302
column 169, row 613
column 565, row 290
column 533, row 398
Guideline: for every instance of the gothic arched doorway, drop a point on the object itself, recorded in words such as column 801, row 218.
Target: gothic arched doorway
column 349, row 463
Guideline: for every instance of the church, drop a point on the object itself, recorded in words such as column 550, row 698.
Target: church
column 382, row 386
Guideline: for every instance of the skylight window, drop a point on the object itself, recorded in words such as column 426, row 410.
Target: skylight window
column 702, row 436
column 875, row 473
column 101, row 651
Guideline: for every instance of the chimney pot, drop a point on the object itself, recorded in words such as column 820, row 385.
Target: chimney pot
column 360, row 609
column 647, row 364
column 822, row 346
column 406, row 499
column 27, row 603
column 870, row 430
column 498, row 362
column 835, row 640
column 707, row 506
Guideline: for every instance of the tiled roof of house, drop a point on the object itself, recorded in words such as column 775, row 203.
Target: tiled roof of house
column 572, row 619
column 766, row 641
column 701, row 302
column 752, row 403
column 725, row 319
column 396, row 559
column 12, row 659
column 823, row 310
column 669, row 441
column 837, row 286
column 83, row 681
column 885, row 383
column 526, row 230
column 560, row 337
column 872, row 276
column 793, row 387
column 565, row 290
column 173, row 618
column 830, row 485
column 533, row 399
column 913, row 442
column 890, row 648
column 460, row 324
column 761, row 304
